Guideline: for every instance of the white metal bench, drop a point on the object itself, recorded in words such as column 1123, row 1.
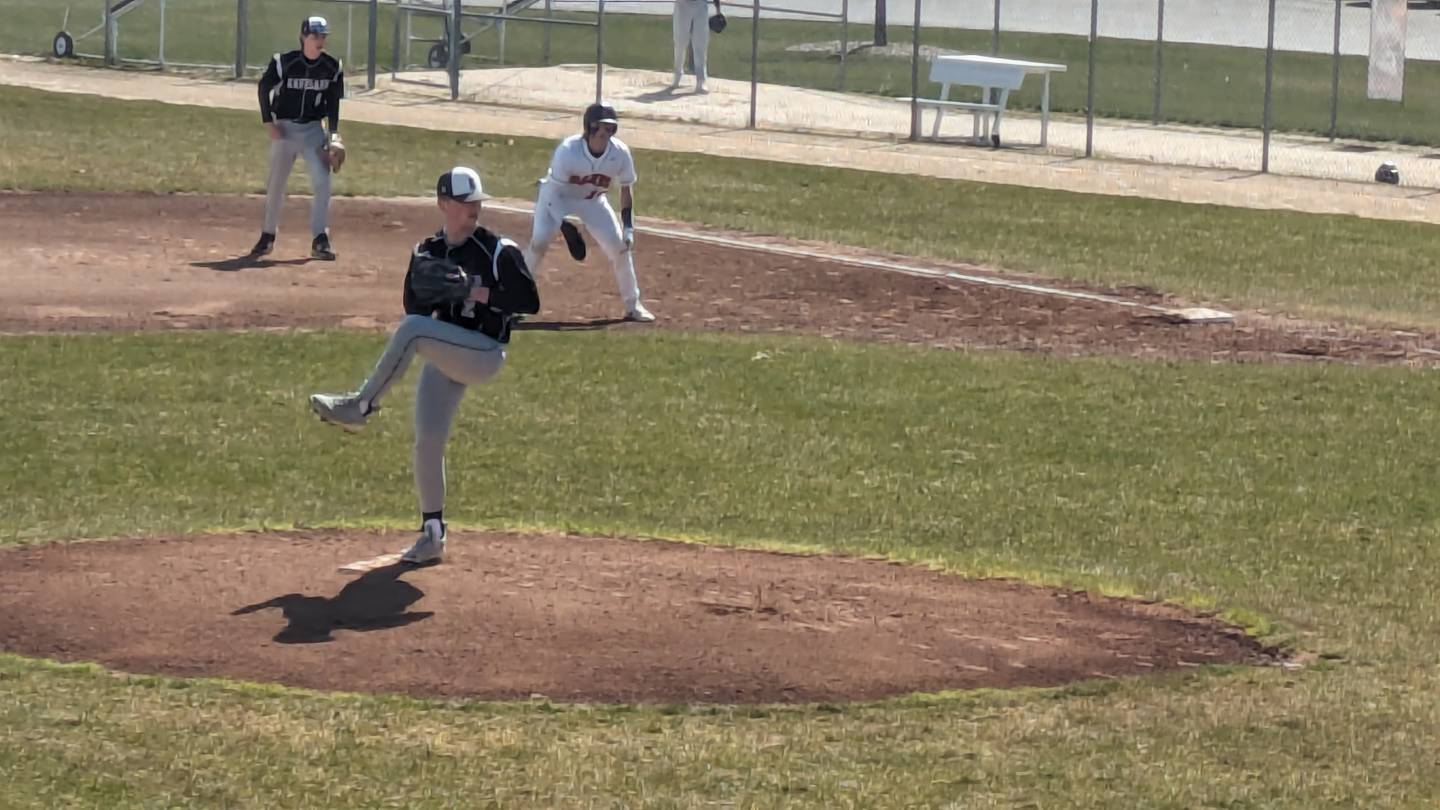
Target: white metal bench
column 992, row 75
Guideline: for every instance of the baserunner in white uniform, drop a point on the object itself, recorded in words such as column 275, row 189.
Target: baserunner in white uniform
column 583, row 168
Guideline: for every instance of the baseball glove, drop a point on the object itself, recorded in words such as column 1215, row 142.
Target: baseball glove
column 717, row 22
column 437, row 283
column 574, row 242
column 334, row 152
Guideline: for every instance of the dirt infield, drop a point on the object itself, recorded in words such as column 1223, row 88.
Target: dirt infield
column 566, row 617
column 174, row 262
column 574, row 618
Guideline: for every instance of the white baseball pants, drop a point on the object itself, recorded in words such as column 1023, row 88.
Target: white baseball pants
column 691, row 27
column 551, row 208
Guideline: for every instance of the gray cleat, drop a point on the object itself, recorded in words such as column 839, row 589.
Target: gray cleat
column 429, row 547
column 341, row 409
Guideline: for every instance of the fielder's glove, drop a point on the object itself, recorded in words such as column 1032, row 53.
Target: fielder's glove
column 574, row 242
column 437, row 283
column 334, row 152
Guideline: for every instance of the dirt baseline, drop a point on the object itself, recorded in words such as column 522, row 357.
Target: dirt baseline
column 177, row 262
column 574, row 619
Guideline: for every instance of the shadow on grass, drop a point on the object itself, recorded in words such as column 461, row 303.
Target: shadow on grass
column 378, row 600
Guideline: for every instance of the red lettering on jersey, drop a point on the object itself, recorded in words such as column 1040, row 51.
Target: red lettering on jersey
column 601, row 180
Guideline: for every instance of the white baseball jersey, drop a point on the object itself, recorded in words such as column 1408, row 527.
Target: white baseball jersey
column 578, row 175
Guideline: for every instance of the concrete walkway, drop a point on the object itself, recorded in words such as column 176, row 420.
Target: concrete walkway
column 555, row 96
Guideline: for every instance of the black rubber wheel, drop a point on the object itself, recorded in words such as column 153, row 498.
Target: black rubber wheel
column 63, row 46
column 438, row 57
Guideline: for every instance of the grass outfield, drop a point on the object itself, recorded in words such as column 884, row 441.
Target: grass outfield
column 1323, row 266
column 1294, row 498
column 1203, row 84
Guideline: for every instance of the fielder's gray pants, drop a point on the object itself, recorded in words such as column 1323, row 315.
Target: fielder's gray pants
column 455, row 357
column 304, row 140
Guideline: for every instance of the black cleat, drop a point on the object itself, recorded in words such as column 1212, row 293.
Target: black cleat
column 320, row 248
column 265, row 245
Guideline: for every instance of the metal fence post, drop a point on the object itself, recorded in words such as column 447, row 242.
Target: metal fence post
column 995, row 33
column 162, row 34
column 1335, row 77
column 844, row 38
column 754, row 60
column 915, row 77
column 600, row 53
column 500, row 24
column 1159, row 60
column 1090, row 81
column 545, row 46
column 349, row 32
column 1269, row 86
column 395, row 43
column 110, row 37
column 242, row 22
column 456, row 8
column 374, row 29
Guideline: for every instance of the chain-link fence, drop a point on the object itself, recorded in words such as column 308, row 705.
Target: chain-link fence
column 1317, row 87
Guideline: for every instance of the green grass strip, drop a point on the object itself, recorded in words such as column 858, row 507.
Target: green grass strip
column 1201, row 84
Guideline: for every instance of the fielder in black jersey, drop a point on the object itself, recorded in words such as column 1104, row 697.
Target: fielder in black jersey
column 300, row 90
column 463, row 344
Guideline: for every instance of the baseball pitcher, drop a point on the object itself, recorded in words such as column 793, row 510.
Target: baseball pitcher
column 582, row 170
column 299, row 90
column 463, row 290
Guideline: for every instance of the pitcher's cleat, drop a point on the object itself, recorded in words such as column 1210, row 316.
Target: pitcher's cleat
column 342, row 410
column 429, row 547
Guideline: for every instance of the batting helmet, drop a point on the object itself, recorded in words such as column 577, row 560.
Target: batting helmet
column 1388, row 173
column 597, row 114
column 717, row 22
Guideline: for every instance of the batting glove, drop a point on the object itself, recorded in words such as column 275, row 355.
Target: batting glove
column 629, row 234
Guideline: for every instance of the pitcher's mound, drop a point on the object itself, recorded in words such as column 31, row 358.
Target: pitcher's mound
column 573, row 619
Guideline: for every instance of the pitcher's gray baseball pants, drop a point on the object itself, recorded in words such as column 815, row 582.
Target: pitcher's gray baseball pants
column 455, row 357
column 305, row 140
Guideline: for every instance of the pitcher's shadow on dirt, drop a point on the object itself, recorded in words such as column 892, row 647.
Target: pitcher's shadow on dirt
column 378, row 600
column 247, row 263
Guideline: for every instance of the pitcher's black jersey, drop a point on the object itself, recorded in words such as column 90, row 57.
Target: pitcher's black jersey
column 499, row 265
column 297, row 89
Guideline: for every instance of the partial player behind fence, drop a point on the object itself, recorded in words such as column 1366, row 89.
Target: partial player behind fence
column 298, row 91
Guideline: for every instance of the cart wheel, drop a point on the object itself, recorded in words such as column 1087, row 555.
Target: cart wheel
column 438, row 57
column 63, row 46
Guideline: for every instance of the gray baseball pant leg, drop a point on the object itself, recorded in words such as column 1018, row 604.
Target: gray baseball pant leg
column 297, row 139
column 437, row 398
column 464, row 355
column 319, row 168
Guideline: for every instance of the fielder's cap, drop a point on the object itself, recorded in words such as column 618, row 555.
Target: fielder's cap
column 461, row 183
column 314, row 25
